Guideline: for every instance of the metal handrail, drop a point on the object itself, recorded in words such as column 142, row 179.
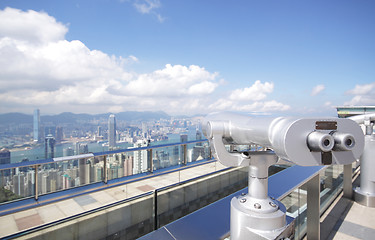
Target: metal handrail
column 88, row 155
column 37, row 163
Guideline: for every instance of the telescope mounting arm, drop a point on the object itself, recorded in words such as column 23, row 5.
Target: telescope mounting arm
column 216, row 131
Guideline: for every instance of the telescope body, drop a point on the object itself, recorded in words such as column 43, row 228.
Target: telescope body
column 304, row 141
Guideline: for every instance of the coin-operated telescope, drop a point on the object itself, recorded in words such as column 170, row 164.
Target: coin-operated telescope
column 303, row 141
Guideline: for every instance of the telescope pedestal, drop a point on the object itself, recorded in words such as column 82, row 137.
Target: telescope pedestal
column 255, row 215
column 249, row 224
column 365, row 194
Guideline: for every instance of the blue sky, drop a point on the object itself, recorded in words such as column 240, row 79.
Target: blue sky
column 186, row 57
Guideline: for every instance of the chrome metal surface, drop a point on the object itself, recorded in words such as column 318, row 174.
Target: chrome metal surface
column 365, row 194
column 287, row 136
column 364, row 198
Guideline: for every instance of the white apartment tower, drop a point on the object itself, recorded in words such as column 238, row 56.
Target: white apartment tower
column 140, row 160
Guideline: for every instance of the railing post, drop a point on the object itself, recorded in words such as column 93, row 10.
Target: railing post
column 348, row 185
column 313, row 208
column 150, row 160
column 156, row 219
column 185, row 155
column 36, row 183
column 105, row 178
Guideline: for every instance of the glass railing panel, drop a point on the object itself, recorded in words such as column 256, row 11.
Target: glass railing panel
column 181, row 199
column 331, row 183
column 301, row 221
column 167, row 157
column 139, row 161
column 296, row 204
column 16, row 183
column 197, row 152
column 123, row 164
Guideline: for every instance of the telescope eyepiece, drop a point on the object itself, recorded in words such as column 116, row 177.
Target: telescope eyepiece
column 320, row 142
column 343, row 141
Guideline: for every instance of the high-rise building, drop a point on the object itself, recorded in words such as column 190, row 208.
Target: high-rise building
column 50, row 130
column 99, row 131
column 112, row 131
column 59, row 134
column 140, row 157
column 144, row 130
column 83, row 148
column 4, row 156
column 36, row 126
column 19, row 184
column 49, row 146
column 68, row 152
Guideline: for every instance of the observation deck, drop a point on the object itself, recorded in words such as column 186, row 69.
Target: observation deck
column 169, row 199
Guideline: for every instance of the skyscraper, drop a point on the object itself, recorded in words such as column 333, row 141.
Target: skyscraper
column 49, row 146
column 36, row 127
column 112, row 131
column 59, row 134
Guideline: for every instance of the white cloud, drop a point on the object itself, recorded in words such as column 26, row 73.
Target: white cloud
column 44, row 70
column 362, row 89
column 249, row 100
column 173, row 81
column 145, row 6
column 258, row 91
column 363, row 95
column 317, row 89
column 30, row 26
column 149, row 7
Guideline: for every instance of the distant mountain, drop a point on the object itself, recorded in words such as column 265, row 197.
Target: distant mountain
column 68, row 117
column 15, row 118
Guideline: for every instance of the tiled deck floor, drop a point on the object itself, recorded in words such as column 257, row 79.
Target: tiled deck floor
column 22, row 220
column 348, row 220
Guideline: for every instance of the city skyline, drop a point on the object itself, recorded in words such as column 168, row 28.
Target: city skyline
column 188, row 58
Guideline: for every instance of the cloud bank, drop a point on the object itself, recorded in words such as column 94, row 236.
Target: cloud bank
column 39, row 68
column 250, row 99
column 362, row 95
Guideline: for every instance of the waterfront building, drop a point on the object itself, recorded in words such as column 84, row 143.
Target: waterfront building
column 59, row 134
column 36, row 126
column 99, row 133
column 68, row 152
column 76, row 147
column 112, row 131
column 83, row 148
column 5, row 159
column 50, row 130
column 4, row 156
column 49, row 146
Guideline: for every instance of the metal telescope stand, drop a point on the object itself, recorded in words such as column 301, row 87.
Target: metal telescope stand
column 255, row 215
column 365, row 194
